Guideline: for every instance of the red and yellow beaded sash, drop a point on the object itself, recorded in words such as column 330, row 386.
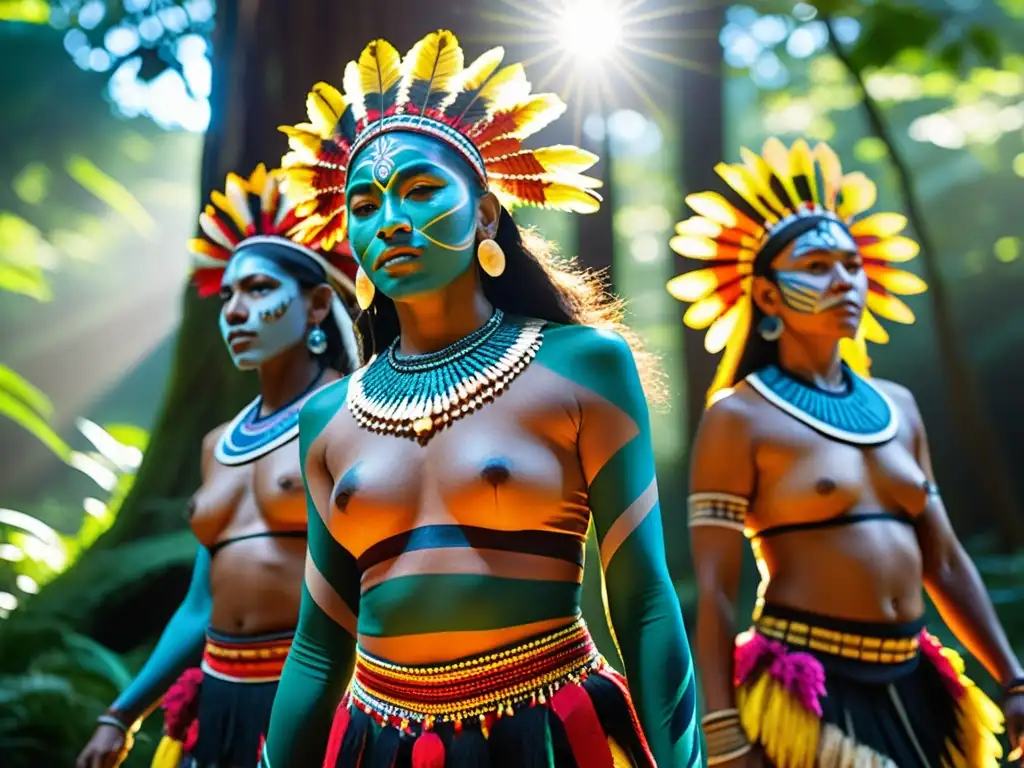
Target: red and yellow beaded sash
column 249, row 662
column 484, row 688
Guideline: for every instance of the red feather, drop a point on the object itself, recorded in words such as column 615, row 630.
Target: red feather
column 517, row 165
column 207, row 281
column 500, row 148
column 527, row 190
column 499, row 125
column 428, row 751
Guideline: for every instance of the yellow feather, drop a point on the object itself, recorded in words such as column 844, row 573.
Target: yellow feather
column 777, row 156
column 725, row 375
column 535, row 113
column 872, row 330
column 737, row 177
column 896, row 280
column 703, row 313
column 801, row 163
column 508, row 86
column 831, row 172
column 435, row 59
column 859, row 193
column 567, row 197
column 890, row 308
column 380, row 67
column 693, row 286
column 694, row 247
column 303, row 143
column 353, row 85
column 227, row 206
column 475, row 75
column 879, row 225
column 699, row 226
column 721, row 330
column 761, row 174
column 324, row 105
column 257, row 179
column 212, row 231
column 892, row 249
column 563, row 158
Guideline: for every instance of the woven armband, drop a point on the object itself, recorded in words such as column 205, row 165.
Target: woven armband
column 725, row 510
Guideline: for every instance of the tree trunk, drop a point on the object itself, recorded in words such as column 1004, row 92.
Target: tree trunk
column 700, row 116
column 980, row 441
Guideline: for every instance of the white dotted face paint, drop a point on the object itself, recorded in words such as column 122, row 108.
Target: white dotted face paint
column 263, row 313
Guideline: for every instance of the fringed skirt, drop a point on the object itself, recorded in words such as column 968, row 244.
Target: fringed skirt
column 216, row 716
column 550, row 702
column 818, row 692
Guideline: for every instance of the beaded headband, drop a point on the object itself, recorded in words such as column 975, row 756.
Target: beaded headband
column 764, row 197
column 483, row 111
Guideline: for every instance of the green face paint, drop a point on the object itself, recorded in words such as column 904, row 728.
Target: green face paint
column 412, row 205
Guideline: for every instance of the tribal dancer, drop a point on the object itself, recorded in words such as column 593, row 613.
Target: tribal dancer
column 453, row 479
column 282, row 317
column 827, row 473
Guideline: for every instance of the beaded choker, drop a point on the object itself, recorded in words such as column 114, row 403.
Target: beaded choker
column 861, row 415
column 249, row 436
column 416, row 396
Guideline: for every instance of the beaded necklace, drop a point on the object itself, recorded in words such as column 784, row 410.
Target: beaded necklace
column 415, row 396
column 250, row 436
column 861, row 415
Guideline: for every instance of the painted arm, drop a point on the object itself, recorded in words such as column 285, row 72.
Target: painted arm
column 618, row 462
column 950, row 577
column 721, row 479
column 180, row 646
column 322, row 655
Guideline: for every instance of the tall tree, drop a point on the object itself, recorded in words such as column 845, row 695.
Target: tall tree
column 266, row 56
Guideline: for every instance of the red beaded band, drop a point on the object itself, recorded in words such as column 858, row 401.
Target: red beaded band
column 258, row 662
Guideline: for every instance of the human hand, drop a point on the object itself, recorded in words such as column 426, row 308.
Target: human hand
column 107, row 748
column 1013, row 712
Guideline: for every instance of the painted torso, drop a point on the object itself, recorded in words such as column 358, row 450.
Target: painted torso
column 870, row 570
column 255, row 582
column 437, row 530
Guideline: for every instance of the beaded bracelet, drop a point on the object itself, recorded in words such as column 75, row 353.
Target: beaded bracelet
column 1014, row 688
column 110, row 719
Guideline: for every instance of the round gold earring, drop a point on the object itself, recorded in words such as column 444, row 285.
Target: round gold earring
column 491, row 257
column 365, row 290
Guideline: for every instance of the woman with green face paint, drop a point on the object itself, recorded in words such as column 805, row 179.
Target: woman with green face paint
column 453, row 479
column 827, row 474
column 281, row 316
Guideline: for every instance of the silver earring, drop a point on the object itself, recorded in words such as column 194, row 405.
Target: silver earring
column 316, row 341
column 770, row 328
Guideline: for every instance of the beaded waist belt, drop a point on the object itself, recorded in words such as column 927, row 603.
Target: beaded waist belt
column 245, row 659
column 856, row 641
column 485, row 687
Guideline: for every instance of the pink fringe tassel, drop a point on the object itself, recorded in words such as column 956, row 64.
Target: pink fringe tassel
column 799, row 673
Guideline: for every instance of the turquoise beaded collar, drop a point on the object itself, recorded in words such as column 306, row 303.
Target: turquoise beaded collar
column 249, row 436
column 861, row 414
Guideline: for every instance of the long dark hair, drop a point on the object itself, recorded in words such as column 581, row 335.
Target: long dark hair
column 538, row 283
column 758, row 352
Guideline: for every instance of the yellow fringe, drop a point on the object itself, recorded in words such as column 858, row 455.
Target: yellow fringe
column 979, row 723
column 771, row 717
column 619, row 757
column 168, row 753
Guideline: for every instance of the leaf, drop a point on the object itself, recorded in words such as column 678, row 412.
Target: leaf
column 28, row 393
column 985, row 43
column 18, row 412
column 951, row 55
column 888, row 29
column 27, row 281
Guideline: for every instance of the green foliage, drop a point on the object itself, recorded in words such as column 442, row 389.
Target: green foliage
column 28, row 407
column 53, row 683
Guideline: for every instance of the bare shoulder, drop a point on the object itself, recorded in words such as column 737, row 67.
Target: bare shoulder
column 733, row 416
column 209, row 445
column 722, row 459
column 321, row 408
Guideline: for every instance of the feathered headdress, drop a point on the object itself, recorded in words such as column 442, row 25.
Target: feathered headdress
column 764, row 197
column 256, row 208
column 483, row 111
